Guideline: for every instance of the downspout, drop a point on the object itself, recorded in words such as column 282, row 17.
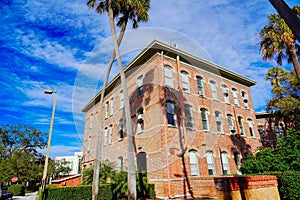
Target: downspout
column 165, row 131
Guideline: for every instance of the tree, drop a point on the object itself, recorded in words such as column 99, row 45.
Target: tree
column 58, row 168
column 136, row 11
column 287, row 14
column 285, row 101
column 19, row 147
column 279, row 42
column 285, row 157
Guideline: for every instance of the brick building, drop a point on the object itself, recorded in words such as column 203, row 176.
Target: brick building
column 193, row 120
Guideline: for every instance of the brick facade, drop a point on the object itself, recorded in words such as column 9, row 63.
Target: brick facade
column 183, row 136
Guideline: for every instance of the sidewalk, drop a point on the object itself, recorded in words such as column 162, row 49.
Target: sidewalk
column 28, row 196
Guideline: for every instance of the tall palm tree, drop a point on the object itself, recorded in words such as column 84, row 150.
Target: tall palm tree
column 287, row 14
column 136, row 11
column 279, row 42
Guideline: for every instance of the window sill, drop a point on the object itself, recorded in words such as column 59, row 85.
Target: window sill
column 172, row 126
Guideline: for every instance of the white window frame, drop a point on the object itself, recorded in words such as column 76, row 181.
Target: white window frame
column 214, row 90
column 219, row 121
column 194, row 165
column 140, row 88
column 106, row 109
column 121, row 95
column 204, row 118
column 241, row 125
column 168, row 76
column 225, row 91
column 200, row 85
column 188, row 112
column 235, row 97
column 225, row 163
column 251, row 127
column 110, row 133
column 112, row 106
column 210, row 163
column 185, row 81
column 91, row 120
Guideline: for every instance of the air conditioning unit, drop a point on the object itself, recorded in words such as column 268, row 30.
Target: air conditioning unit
column 225, row 90
column 140, row 118
column 219, row 119
column 232, row 129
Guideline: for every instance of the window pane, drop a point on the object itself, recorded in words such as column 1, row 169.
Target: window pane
column 168, row 77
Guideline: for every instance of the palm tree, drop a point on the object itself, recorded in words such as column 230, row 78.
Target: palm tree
column 287, row 14
column 279, row 42
column 136, row 11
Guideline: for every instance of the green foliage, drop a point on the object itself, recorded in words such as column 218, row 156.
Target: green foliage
column 58, row 168
column 17, row 190
column 87, row 178
column 19, row 147
column 78, row 193
column 106, row 174
column 288, row 184
column 284, row 158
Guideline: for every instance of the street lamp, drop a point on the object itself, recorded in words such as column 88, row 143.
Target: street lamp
column 49, row 141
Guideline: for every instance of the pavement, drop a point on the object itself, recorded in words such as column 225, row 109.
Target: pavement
column 28, row 196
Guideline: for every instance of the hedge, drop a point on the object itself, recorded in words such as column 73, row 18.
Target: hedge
column 288, row 184
column 17, row 190
column 78, row 193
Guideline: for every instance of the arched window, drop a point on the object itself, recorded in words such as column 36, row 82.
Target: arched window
column 231, row 123
column 91, row 120
column 140, row 89
column 204, row 117
column 235, row 97
column 200, row 85
column 106, row 109
column 120, row 163
column 194, row 163
column 105, row 136
column 210, row 163
column 110, row 133
column 121, row 99
column 140, row 121
column 238, row 161
column 245, row 99
column 188, row 116
column 218, row 117
column 171, row 113
column 168, row 76
column 225, row 94
column 241, row 125
column 250, row 125
column 225, row 163
column 214, row 92
column 121, row 127
column 112, row 106
column 185, row 81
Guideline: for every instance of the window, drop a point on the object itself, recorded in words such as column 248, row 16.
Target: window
column 171, row 113
column 140, row 120
column 231, row 123
column 261, row 132
column 168, row 76
column 279, row 130
column 106, row 110
column 111, row 106
column 235, row 97
column 140, row 89
column 89, row 144
column 210, row 163
column 204, row 117
column 241, row 125
column 200, row 86
column 188, row 116
column 185, row 81
column 225, row 163
column 213, row 87
column 105, row 136
column 110, row 133
column 225, row 94
column 219, row 121
column 91, row 120
column 120, row 163
column 121, row 99
column 238, row 162
column 194, row 163
column 251, row 129
column 245, row 99
column 121, row 126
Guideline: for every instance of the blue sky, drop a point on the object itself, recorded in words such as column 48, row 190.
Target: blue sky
column 64, row 46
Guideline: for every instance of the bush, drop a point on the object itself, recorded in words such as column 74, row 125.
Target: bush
column 288, row 184
column 78, row 193
column 17, row 190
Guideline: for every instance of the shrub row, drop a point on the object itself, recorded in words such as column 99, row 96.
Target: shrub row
column 17, row 190
column 78, row 193
column 288, row 184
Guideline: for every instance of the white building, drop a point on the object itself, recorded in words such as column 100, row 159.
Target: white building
column 74, row 162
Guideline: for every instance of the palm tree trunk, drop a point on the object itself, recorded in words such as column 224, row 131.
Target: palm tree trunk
column 95, row 188
column 295, row 61
column 131, row 164
column 287, row 14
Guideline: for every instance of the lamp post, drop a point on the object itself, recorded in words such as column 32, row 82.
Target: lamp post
column 49, row 141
